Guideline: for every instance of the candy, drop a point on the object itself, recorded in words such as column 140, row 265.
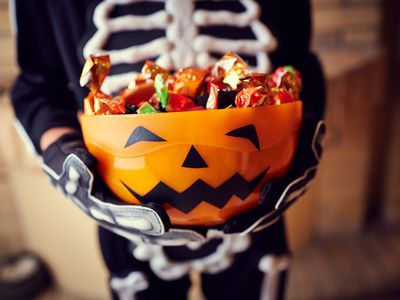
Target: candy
column 105, row 104
column 117, row 105
column 100, row 106
column 188, row 81
column 257, row 79
column 212, row 101
column 221, row 85
column 250, row 97
column 146, row 108
column 140, row 92
column 94, row 71
column 151, row 69
column 228, row 83
column 179, row 103
column 231, row 67
column 282, row 97
column 161, row 88
column 288, row 78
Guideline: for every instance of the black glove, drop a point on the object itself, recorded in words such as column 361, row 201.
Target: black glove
column 279, row 194
column 74, row 170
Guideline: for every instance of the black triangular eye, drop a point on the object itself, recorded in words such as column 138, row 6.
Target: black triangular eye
column 141, row 134
column 248, row 132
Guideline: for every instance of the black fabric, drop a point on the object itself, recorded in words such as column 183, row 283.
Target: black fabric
column 242, row 280
column 120, row 262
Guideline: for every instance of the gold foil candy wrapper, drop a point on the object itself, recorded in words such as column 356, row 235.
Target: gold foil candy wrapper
column 257, row 79
column 98, row 103
column 95, row 104
column 231, row 68
column 188, row 81
column 292, row 84
column 94, row 71
column 151, row 69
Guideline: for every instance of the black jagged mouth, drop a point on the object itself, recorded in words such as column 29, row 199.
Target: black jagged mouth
column 199, row 192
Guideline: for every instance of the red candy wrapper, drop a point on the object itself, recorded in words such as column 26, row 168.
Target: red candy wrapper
column 179, row 103
column 250, row 97
column 288, row 78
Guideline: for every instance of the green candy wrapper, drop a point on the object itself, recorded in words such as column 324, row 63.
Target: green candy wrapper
column 146, row 108
column 161, row 87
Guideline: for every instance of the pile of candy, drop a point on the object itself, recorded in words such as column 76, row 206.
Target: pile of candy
column 228, row 83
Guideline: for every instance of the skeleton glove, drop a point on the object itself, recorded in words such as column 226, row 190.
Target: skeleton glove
column 279, row 194
column 72, row 169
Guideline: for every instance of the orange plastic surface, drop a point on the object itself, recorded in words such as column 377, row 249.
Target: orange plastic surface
column 143, row 165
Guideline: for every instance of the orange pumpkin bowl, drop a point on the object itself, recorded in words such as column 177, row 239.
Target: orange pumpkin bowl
column 203, row 166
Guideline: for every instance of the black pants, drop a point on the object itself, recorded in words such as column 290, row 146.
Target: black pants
column 250, row 267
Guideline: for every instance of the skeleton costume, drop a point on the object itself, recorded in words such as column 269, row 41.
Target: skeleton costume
column 147, row 258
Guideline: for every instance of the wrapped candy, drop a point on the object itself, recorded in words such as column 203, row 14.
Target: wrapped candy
column 257, row 79
column 146, row 108
column 117, row 105
column 179, row 103
column 161, row 88
column 188, row 81
column 250, row 97
column 231, row 68
column 140, row 92
column 221, row 85
column 94, row 106
column 212, row 101
column 228, row 83
column 288, row 78
column 94, row 71
column 151, row 69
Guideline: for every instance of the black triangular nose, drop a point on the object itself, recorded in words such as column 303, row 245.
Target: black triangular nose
column 194, row 159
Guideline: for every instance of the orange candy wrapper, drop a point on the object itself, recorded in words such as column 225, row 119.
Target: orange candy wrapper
column 188, row 81
column 187, row 88
column 94, row 73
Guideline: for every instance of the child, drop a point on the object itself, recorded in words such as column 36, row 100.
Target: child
column 147, row 258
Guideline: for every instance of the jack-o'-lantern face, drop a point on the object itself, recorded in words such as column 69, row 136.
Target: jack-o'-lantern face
column 202, row 166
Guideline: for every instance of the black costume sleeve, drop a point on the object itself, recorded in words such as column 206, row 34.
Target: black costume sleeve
column 290, row 23
column 40, row 96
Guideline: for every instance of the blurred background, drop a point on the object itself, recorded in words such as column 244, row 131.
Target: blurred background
column 345, row 233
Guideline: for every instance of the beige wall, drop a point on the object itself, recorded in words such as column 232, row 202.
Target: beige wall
column 346, row 22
